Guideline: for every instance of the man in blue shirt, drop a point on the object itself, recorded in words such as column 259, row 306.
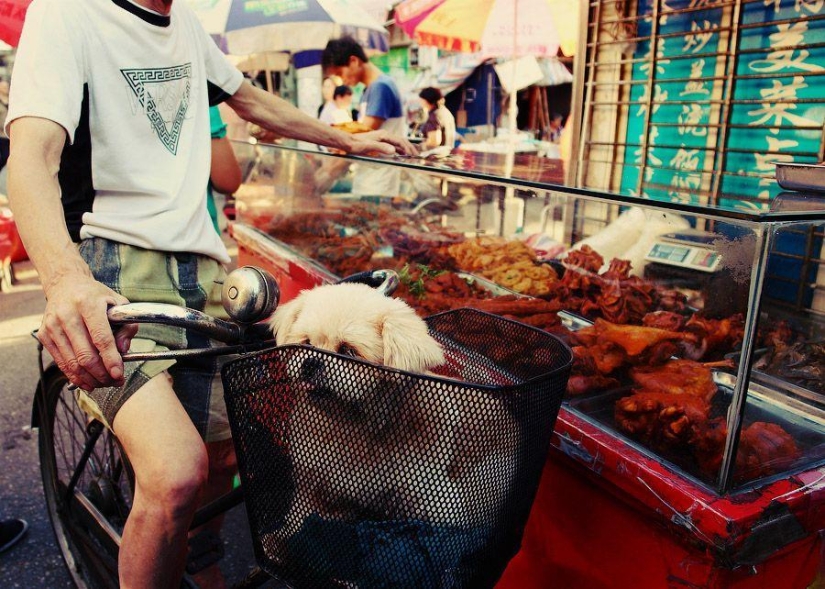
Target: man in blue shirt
column 380, row 108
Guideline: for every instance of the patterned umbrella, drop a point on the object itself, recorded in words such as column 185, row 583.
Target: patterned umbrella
column 496, row 28
column 12, row 14
column 255, row 26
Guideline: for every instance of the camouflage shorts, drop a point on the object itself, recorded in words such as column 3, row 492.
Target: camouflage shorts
column 160, row 277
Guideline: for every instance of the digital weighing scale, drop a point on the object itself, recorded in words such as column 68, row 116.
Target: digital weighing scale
column 692, row 250
column 689, row 261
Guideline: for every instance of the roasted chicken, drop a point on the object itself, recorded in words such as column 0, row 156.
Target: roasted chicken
column 712, row 337
column 613, row 295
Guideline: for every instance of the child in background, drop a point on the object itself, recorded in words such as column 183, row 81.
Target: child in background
column 326, row 109
column 342, row 97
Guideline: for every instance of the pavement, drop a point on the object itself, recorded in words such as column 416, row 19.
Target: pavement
column 36, row 562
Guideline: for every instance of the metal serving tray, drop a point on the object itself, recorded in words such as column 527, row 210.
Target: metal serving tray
column 495, row 289
column 807, row 427
column 801, row 176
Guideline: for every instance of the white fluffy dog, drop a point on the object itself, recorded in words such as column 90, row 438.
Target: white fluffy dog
column 357, row 320
column 366, row 445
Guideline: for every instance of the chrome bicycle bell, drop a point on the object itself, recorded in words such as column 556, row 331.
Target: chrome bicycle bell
column 250, row 294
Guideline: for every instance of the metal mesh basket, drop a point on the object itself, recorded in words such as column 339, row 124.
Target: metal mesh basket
column 357, row 475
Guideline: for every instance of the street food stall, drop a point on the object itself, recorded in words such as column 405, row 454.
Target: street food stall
column 690, row 449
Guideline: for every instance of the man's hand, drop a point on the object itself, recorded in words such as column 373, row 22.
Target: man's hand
column 76, row 332
column 381, row 141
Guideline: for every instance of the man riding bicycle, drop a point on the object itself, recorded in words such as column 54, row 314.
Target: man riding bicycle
column 109, row 126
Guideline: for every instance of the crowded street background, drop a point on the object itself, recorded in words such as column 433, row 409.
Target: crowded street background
column 36, row 561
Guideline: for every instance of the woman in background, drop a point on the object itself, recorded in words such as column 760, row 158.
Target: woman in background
column 440, row 126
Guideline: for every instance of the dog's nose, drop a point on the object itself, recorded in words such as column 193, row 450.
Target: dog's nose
column 311, row 369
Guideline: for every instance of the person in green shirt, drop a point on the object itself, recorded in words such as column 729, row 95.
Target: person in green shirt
column 225, row 174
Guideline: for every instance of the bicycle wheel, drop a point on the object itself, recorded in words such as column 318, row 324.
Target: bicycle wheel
column 87, row 486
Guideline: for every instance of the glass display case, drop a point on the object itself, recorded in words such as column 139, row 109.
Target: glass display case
column 694, row 414
column 678, row 353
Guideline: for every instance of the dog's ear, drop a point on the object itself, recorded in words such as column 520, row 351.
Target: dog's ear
column 284, row 319
column 407, row 343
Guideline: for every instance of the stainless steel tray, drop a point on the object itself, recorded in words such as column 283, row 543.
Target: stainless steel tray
column 572, row 321
column 801, row 176
column 805, row 426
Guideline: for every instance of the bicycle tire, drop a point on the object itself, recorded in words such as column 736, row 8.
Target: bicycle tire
column 103, row 494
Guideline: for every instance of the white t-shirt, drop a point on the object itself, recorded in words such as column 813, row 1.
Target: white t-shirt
column 132, row 89
column 325, row 116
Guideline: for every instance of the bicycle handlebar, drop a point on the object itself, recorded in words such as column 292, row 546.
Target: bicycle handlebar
column 166, row 314
column 244, row 337
column 384, row 281
column 259, row 296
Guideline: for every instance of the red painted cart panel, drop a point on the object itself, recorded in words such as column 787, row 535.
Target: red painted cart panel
column 609, row 516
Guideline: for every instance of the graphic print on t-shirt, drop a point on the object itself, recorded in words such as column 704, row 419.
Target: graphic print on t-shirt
column 163, row 94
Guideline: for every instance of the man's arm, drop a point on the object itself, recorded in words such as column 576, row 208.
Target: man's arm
column 279, row 116
column 74, row 330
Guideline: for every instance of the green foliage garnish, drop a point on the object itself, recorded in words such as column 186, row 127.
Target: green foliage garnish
column 416, row 285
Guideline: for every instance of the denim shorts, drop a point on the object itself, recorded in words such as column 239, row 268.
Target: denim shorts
column 188, row 280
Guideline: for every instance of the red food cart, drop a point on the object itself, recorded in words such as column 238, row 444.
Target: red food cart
column 615, row 511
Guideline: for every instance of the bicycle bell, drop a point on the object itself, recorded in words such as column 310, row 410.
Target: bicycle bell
column 250, row 294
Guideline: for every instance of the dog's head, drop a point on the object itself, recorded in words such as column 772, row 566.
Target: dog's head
column 356, row 320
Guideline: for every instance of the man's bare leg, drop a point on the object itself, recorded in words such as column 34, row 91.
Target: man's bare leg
column 222, row 468
column 170, row 463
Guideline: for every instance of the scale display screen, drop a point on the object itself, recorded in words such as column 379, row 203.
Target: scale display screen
column 668, row 252
column 684, row 255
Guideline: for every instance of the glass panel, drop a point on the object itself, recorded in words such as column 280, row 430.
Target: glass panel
column 783, row 426
column 265, row 165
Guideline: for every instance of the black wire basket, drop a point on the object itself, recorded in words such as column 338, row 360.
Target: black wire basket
column 357, row 475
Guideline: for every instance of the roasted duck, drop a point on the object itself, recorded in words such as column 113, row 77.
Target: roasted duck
column 676, row 377
column 633, row 339
column 663, row 421
column 764, row 449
